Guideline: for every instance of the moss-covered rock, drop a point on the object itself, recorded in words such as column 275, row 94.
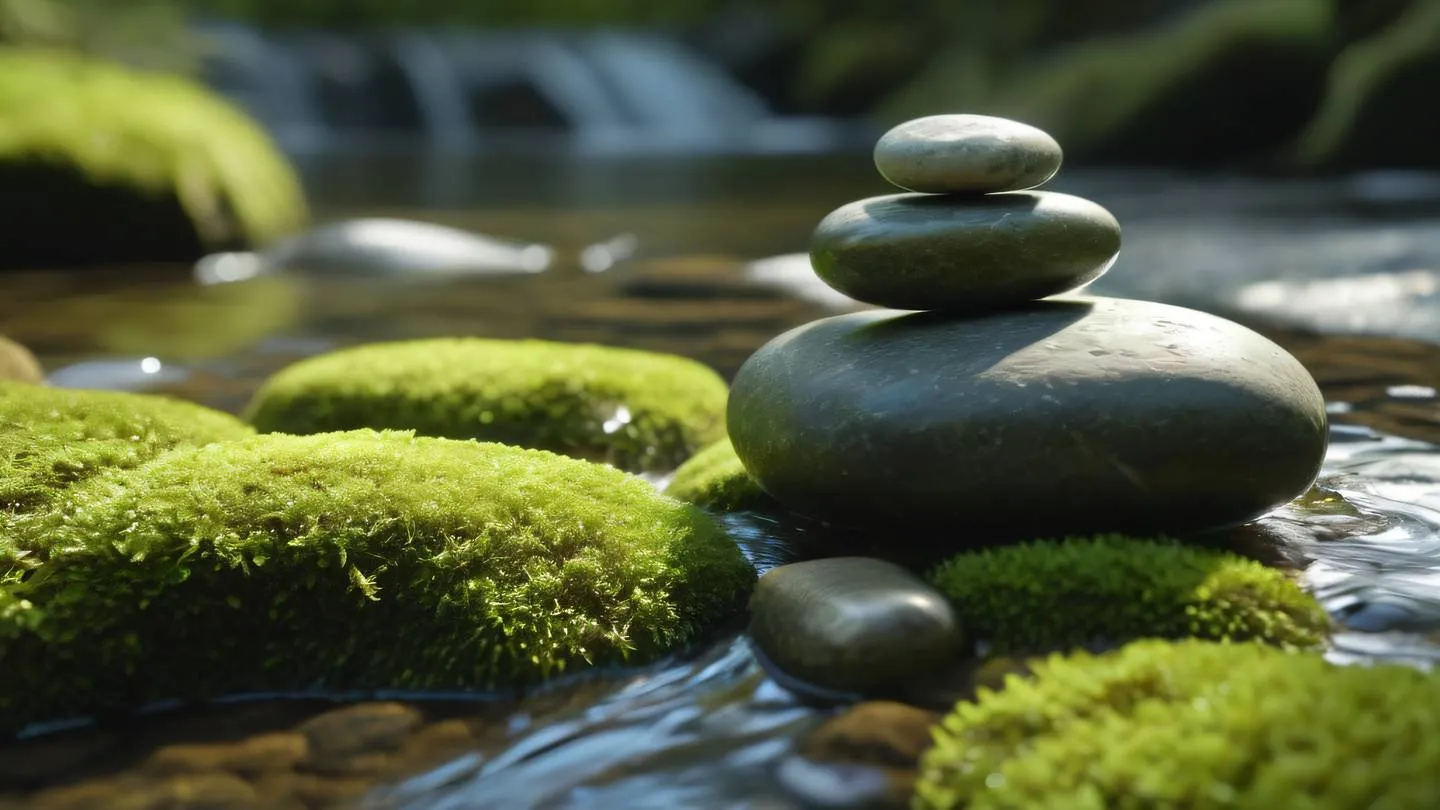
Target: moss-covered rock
column 18, row 363
column 1111, row 589
column 53, row 438
column 105, row 164
column 1191, row 725
column 355, row 560
column 1228, row 79
column 636, row 410
column 715, row 479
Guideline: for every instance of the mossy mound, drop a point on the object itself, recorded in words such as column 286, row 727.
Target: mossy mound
column 53, row 438
column 637, row 410
column 1191, row 724
column 1110, row 589
column 715, row 479
column 18, row 364
column 351, row 561
column 105, row 164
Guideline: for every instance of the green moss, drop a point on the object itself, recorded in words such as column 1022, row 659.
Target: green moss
column 356, row 560
column 637, row 410
column 1111, row 589
column 1191, row 724
column 52, row 438
column 714, row 478
column 17, row 363
column 81, row 139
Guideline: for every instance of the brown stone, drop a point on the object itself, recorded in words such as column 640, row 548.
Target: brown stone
column 261, row 753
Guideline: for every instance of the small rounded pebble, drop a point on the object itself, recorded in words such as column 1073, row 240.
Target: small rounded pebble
column 960, row 154
column 852, row 624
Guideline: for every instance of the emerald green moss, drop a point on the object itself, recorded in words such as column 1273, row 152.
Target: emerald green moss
column 80, row 136
column 1193, row 725
column 17, row 363
column 350, row 561
column 1050, row 595
column 636, row 410
column 715, row 479
column 52, row 438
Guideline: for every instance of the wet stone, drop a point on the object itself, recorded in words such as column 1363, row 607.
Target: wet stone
column 211, row 791
column 951, row 154
column 357, row 739
column 852, row 625
column 258, row 754
column 1072, row 416
column 960, row 254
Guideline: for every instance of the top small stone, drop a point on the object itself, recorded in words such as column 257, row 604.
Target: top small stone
column 966, row 154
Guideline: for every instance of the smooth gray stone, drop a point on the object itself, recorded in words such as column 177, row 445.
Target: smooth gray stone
column 1070, row 416
column 379, row 245
column 852, row 624
column 958, row 154
column 963, row 254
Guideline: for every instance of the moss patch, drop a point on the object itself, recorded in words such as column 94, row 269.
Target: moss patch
column 715, row 479
column 17, row 363
column 355, row 560
column 1195, row 725
column 103, row 163
column 636, row 410
column 53, row 438
column 1110, row 589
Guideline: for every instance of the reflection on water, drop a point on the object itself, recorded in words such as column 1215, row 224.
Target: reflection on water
column 711, row 730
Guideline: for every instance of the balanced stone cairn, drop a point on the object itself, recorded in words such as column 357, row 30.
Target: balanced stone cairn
column 990, row 401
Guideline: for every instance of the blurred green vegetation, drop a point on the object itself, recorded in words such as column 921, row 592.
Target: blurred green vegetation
column 144, row 33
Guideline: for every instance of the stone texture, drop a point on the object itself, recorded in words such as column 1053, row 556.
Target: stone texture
column 1070, row 416
column 17, row 363
column 956, row 154
column 971, row 254
column 852, row 624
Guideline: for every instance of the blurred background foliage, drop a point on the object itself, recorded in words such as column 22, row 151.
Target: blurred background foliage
column 1131, row 81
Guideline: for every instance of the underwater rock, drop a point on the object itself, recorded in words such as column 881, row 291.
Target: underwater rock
column 381, row 245
column 17, row 363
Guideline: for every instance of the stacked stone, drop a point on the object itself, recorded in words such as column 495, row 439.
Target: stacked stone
column 1011, row 406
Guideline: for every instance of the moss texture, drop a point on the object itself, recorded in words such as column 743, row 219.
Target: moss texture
column 1191, row 725
column 356, row 560
column 146, row 166
column 53, row 438
column 17, row 363
column 1111, row 589
column 715, row 479
column 636, row 410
